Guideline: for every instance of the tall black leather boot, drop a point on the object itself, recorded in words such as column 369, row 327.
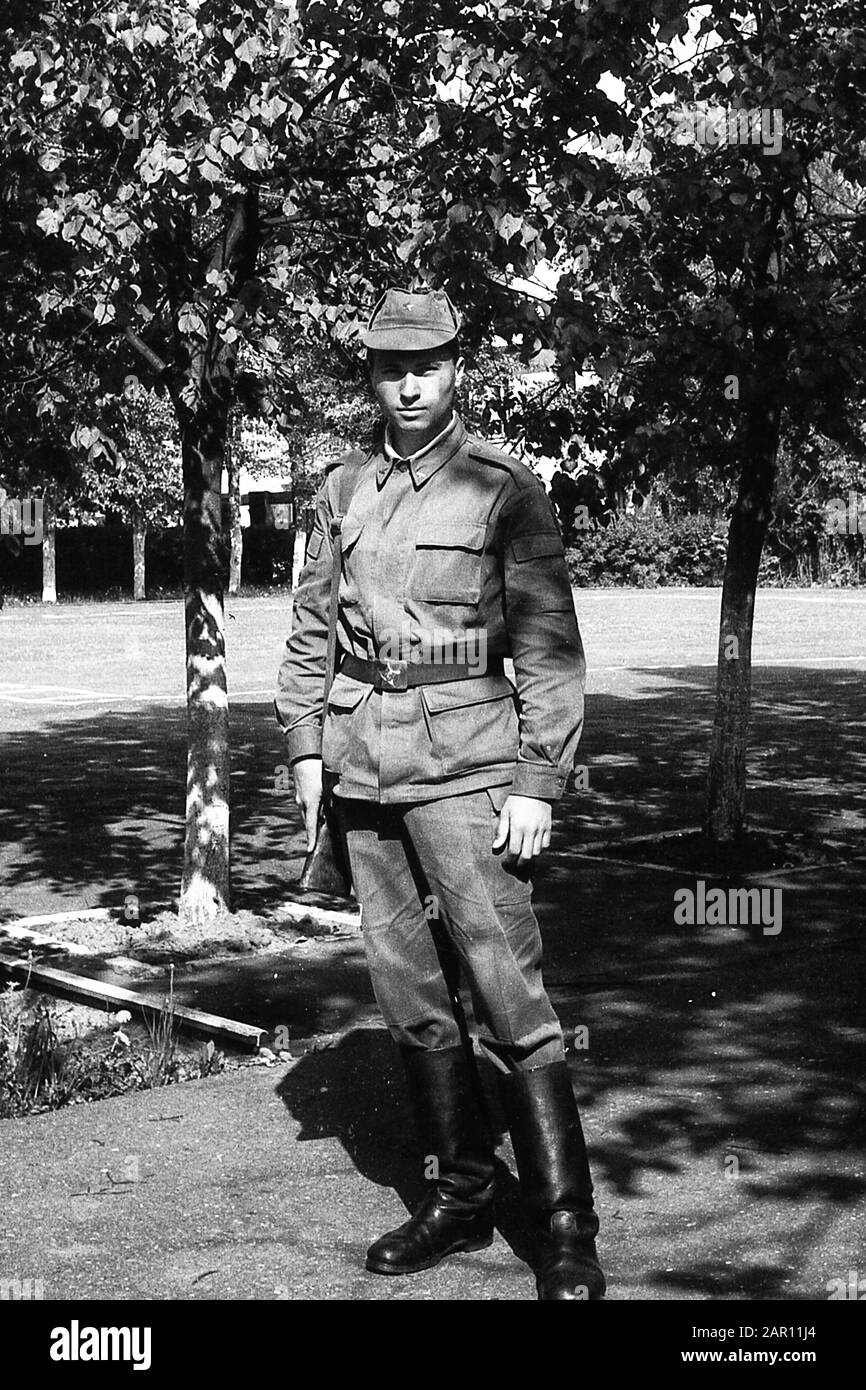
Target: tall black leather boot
column 555, row 1180
column 457, row 1213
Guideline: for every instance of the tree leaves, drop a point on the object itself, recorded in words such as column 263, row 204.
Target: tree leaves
column 467, row 169
column 190, row 321
column 210, row 168
column 249, row 50
column 49, row 220
column 256, row 155
column 155, row 35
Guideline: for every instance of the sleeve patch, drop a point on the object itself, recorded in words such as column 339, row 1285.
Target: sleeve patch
column 536, row 545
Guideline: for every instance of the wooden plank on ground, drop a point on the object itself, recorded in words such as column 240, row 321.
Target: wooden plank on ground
column 21, row 938
column 84, row 914
column 94, row 991
column 320, row 907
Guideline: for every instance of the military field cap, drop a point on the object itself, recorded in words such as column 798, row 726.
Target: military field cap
column 407, row 321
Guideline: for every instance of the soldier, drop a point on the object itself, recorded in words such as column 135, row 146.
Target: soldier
column 451, row 562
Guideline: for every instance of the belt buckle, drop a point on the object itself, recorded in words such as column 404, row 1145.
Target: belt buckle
column 393, row 675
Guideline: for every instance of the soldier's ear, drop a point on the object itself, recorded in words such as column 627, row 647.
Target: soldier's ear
column 459, row 370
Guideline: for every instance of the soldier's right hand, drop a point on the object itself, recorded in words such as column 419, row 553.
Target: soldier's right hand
column 308, row 793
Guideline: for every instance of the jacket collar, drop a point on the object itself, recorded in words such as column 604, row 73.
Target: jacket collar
column 428, row 460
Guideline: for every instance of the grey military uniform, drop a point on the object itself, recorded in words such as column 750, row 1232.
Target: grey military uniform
column 459, row 541
column 459, row 546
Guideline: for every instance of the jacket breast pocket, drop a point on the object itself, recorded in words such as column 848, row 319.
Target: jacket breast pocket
column 472, row 723
column 447, row 566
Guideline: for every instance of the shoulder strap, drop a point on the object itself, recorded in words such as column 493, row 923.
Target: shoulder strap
column 346, row 484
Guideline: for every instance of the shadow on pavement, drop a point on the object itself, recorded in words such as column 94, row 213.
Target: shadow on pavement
column 354, row 1092
column 705, row 1043
column 93, row 805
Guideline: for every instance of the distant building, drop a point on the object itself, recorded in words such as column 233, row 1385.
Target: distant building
column 266, row 489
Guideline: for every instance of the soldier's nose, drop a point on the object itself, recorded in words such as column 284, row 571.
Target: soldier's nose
column 409, row 386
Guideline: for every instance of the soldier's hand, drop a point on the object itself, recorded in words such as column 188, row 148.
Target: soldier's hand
column 308, row 793
column 524, row 828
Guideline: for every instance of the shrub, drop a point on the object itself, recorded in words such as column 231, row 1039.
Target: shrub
column 649, row 552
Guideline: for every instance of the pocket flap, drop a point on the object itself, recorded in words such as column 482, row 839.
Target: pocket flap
column 315, row 540
column 452, row 535
column 477, row 690
column 346, row 692
column 536, row 545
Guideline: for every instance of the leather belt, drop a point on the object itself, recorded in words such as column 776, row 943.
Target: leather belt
column 403, row 675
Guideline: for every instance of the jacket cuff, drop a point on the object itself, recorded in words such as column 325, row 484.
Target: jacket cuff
column 540, row 780
column 304, row 742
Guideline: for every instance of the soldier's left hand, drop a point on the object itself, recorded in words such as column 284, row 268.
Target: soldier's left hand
column 523, row 829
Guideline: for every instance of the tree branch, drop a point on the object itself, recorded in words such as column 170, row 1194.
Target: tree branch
column 153, row 360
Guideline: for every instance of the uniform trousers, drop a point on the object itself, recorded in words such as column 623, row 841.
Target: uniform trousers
column 451, row 940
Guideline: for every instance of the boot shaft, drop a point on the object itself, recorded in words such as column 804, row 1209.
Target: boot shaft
column 548, row 1141
column 452, row 1125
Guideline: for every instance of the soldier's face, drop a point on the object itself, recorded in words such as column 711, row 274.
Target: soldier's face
column 416, row 389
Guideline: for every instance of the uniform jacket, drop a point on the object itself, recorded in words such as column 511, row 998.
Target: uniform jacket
column 459, row 544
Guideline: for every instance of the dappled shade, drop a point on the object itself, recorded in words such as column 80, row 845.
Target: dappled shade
column 705, row 1043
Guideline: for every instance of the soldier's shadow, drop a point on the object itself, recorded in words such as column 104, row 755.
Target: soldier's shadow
column 355, row 1092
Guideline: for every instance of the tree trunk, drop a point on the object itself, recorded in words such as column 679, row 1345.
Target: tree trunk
column 203, row 399
column 139, row 536
column 205, row 888
column 236, row 530
column 49, row 550
column 726, row 783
